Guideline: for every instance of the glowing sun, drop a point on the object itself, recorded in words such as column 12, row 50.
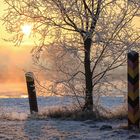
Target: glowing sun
column 26, row 29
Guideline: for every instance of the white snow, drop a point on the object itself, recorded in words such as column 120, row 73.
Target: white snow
column 18, row 108
column 63, row 130
column 15, row 124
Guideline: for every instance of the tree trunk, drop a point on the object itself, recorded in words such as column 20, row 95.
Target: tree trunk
column 88, row 106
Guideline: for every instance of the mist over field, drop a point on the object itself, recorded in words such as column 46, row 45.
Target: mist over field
column 13, row 62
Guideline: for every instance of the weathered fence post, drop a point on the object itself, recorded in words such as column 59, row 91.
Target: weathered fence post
column 133, row 90
column 31, row 92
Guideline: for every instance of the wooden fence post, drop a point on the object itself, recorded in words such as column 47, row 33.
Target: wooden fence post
column 133, row 89
column 31, row 92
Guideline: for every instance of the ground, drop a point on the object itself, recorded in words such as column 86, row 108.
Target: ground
column 16, row 125
column 54, row 129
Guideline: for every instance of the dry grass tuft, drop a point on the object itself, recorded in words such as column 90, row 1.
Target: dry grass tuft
column 71, row 113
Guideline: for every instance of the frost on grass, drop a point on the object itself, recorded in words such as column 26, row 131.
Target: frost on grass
column 13, row 116
column 119, row 112
column 18, row 109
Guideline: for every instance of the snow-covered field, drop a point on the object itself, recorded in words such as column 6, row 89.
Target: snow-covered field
column 15, row 124
column 18, row 108
column 64, row 130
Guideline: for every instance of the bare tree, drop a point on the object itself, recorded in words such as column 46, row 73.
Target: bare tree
column 97, row 32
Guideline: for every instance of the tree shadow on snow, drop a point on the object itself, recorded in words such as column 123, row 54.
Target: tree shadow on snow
column 33, row 128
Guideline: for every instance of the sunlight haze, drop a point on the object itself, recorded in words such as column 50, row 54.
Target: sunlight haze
column 13, row 59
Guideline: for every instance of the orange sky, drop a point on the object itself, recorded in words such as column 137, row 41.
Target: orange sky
column 14, row 59
column 8, row 50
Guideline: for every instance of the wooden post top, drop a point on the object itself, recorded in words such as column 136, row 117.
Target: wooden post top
column 29, row 76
